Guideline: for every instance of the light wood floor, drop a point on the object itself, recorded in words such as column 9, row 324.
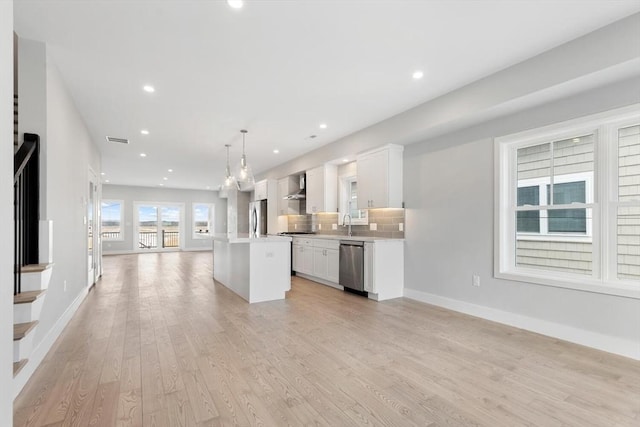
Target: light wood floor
column 158, row 343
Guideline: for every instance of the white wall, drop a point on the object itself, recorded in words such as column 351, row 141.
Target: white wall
column 67, row 153
column 6, row 210
column 131, row 194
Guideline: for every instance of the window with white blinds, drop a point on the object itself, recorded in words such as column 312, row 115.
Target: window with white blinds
column 568, row 204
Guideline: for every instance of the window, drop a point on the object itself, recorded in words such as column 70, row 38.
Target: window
column 202, row 220
column 111, row 215
column 568, row 204
column 349, row 202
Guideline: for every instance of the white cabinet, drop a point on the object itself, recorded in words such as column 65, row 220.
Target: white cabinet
column 302, row 256
column 380, row 178
column 286, row 186
column 322, row 189
column 260, row 190
column 317, row 258
column 384, row 269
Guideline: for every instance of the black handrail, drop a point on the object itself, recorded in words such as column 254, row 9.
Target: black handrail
column 26, row 193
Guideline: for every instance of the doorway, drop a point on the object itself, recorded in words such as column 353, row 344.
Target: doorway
column 158, row 226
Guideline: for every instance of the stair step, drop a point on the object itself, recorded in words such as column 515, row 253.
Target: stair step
column 17, row 366
column 27, row 297
column 20, row 330
column 35, row 268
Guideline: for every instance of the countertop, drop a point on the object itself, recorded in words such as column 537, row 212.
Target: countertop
column 341, row 237
column 244, row 238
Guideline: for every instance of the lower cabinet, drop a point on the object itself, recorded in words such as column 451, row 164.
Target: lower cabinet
column 317, row 257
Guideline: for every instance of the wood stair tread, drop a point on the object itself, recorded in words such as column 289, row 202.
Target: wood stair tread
column 20, row 330
column 35, row 268
column 17, row 366
column 27, row 297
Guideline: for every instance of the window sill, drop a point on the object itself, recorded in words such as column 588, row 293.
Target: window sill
column 560, row 280
column 202, row 236
column 554, row 238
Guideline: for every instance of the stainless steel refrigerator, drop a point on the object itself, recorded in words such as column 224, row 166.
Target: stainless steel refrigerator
column 258, row 218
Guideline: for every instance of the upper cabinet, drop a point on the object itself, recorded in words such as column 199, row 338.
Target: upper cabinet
column 380, row 178
column 260, row 190
column 322, row 189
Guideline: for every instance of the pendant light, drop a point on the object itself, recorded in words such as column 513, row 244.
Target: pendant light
column 229, row 180
column 244, row 176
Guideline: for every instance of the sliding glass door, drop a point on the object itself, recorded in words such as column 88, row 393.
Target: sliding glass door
column 158, row 226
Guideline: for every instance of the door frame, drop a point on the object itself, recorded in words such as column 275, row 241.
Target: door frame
column 159, row 205
column 92, row 206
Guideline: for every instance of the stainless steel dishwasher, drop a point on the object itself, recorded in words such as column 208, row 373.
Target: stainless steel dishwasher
column 352, row 264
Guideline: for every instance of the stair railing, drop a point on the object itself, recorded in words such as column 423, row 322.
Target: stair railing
column 26, row 206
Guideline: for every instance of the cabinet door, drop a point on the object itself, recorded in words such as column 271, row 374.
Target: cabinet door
column 333, row 266
column 297, row 257
column 320, row 262
column 307, row 259
column 373, row 185
column 283, row 190
column 315, row 190
column 260, row 190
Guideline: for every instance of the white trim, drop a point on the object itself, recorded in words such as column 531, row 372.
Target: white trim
column 343, row 201
column 159, row 206
column 319, row 280
column 620, row 346
column 38, row 354
column 604, row 267
column 211, row 220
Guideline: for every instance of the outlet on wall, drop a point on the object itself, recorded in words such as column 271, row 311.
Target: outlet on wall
column 295, row 226
column 319, row 226
column 334, row 226
column 401, row 226
column 476, row 280
column 373, row 226
column 65, row 286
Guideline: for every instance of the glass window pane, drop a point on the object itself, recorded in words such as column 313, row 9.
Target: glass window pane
column 170, row 227
column 629, row 163
column 534, row 162
column 628, row 236
column 201, row 219
column 111, row 220
column 528, row 221
column 568, row 220
column 553, row 254
column 147, row 227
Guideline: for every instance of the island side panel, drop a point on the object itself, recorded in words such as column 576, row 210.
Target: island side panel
column 270, row 270
column 231, row 266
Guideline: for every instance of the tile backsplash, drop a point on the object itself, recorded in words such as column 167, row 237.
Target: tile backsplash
column 389, row 223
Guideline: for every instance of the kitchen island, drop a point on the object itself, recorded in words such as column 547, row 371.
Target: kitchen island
column 256, row 268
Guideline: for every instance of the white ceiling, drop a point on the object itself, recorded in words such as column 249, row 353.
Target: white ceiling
column 276, row 68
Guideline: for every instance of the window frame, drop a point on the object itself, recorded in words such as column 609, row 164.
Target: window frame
column 604, row 278
column 343, row 205
column 121, row 233
column 211, row 219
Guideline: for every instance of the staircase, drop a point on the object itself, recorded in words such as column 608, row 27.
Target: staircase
column 31, row 278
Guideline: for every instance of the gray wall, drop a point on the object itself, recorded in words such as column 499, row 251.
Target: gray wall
column 449, row 196
column 131, row 194
column 6, row 210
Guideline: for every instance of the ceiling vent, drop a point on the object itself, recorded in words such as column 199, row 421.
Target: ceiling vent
column 117, row 140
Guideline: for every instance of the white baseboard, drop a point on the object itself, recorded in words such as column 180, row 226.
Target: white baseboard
column 319, row 280
column 38, row 354
column 620, row 346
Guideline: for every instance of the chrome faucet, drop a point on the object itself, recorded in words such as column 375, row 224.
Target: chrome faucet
column 344, row 220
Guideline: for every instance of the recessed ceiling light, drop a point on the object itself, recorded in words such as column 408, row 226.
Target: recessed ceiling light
column 148, row 88
column 235, row 4
column 106, row 180
column 144, row 132
column 165, row 178
column 143, row 155
column 576, row 139
column 103, row 173
column 345, row 160
column 170, row 170
column 276, row 151
column 161, row 185
column 417, row 75
column 208, row 187
column 323, row 125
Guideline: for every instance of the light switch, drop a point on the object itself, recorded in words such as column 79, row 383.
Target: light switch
column 334, row 226
column 373, row 226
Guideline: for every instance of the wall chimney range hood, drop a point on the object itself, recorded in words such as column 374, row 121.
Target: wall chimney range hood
column 298, row 195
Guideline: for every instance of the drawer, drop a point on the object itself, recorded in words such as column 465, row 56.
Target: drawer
column 326, row 244
column 302, row 241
